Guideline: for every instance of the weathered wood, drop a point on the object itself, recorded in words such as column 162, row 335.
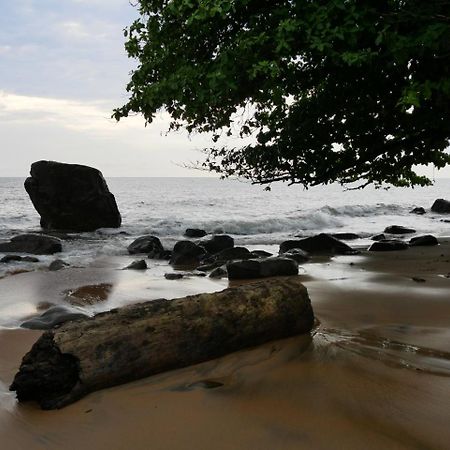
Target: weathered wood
column 139, row 340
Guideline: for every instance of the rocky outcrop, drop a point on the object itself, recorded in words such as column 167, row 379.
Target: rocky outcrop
column 187, row 253
column 261, row 268
column 441, row 206
column 422, row 241
column 71, row 197
column 195, row 233
column 320, row 244
column 36, row 244
column 217, row 243
column 398, row 229
column 388, row 245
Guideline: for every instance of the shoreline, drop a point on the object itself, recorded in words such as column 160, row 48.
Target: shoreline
column 375, row 375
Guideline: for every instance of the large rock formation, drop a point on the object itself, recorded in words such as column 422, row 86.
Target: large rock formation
column 71, row 197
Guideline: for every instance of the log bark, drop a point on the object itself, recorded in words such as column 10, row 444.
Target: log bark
column 140, row 340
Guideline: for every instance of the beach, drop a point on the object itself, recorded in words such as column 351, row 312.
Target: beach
column 375, row 373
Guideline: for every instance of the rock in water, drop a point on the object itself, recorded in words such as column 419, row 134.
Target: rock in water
column 71, row 197
column 421, row 241
column 398, row 229
column 37, row 244
column 320, row 244
column 441, row 206
column 146, row 244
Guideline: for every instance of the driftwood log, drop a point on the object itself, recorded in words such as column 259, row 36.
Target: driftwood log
column 139, row 340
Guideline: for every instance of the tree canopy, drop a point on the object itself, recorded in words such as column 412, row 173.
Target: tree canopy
column 324, row 90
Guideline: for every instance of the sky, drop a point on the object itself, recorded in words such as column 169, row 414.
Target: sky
column 63, row 69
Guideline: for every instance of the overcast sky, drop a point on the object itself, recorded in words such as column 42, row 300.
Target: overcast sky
column 63, row 69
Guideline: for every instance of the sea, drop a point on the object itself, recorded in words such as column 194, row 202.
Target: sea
column 253, row 216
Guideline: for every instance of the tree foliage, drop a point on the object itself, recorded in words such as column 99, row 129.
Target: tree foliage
column 326, row 90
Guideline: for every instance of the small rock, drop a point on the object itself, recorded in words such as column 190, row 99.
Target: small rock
column 232, row 253
column 195, row 233
column 139, row 264
column 30, row 259
column 378, row 237
column 145, row 244
column 418, row 280
column 426, row 240
column 297, row 254
column 54, row 316
column 37, row 244
column 10, row 258
column 346, row 236
column 219, row 272
column 57, row 264
column 441, row 206
column 320, row 244
column 261, row 268
column 397, row 229
column 89, row 295
column 187, row 253
column 418, row 210
column 217, row 243
column 260, row 254
column 388, row 245
column 173, row 276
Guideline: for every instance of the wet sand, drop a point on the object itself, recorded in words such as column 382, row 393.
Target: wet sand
column 375, row 374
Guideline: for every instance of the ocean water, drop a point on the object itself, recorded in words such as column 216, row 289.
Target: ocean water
column 165, row 207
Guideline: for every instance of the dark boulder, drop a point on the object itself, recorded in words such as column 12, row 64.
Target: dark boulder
column 261, row 268
column 217, row 243
column 398, row 229
column 441, row 206
column 346, row 236
column 30, row 259
column 195, row 233
column 297, row 254
column 232, row 253
column 57, row 264
column 146, row 244
column 187, row 253
column 388, row 245
column 71, row 197
column 54, row 316
column 320, row 244
column 378, row 237
column 426, row 240
column 139, row 264
column 36, row 244
column 418, row 210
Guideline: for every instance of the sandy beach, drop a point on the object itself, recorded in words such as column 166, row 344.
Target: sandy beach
column 374, row 374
